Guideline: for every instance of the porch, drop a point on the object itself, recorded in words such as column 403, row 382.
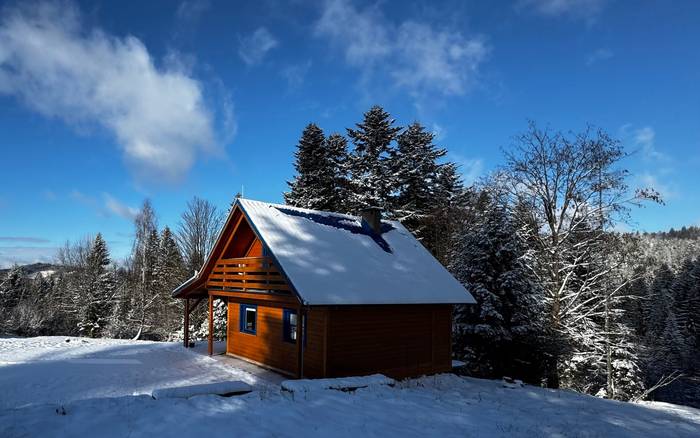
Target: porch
column 250, row 281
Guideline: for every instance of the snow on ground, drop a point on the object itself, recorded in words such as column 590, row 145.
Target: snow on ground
column 48, row 369
column 444, row 405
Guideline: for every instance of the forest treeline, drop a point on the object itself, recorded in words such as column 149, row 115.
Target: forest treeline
column 562, row 299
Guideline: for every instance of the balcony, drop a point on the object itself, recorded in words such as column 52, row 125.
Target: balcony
column 247, row 274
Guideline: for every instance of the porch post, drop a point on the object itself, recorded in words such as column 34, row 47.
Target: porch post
column 186, row 328
column 211, row 325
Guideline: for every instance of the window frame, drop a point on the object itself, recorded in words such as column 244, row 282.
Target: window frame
column 242, row 326
column 287, row 325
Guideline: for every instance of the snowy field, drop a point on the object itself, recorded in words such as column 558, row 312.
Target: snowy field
column 102, row 386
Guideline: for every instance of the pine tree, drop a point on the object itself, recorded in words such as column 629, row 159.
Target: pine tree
column 169, row 272
column 333, row 174
column 418, row 178
column 98, row 290
column 684, row 296
column 321, row 165
column 372, row 177
column 500, row 334
column 308, row 156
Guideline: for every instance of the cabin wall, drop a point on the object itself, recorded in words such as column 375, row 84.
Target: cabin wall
column 398, row 341
column 268, row 346
column 315, row 347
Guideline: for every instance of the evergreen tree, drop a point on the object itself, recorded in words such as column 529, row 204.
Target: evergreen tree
column 169, row 272
column 372, row 179
column 98, row 290
column 304, row 188
column 500, row 335
column 418, row 178
column 333, row 175
column 321, row 165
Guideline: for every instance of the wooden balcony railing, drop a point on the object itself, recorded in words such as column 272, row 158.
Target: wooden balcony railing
column 247, row 274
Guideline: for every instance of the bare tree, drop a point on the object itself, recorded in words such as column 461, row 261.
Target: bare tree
column 574, row 189
column 197, row 231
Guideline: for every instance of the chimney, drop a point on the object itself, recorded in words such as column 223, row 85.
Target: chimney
column 372, row 218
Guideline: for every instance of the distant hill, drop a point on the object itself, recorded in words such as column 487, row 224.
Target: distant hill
column 34, row 269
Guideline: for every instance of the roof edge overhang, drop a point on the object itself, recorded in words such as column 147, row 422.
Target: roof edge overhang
column 198, row 280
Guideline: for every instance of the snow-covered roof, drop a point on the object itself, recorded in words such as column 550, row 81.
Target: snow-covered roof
column 331, row 258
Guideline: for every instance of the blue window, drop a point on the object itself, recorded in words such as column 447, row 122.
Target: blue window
column 248, row 318
column 289, row 324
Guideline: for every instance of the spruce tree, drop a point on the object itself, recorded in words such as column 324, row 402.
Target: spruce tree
column 372, row 179
column 498, row 335
column 333, row 174
column 321, row 166
column 98, row 290
column 169, row 272
column 309, row 157
column 417, row 172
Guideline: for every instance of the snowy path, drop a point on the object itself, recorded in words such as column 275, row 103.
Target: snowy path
column 445, row 405
column 51, row 370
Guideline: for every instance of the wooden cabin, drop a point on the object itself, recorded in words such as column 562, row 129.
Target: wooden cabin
column 317, row 294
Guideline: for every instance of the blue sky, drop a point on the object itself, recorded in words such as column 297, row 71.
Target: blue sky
column 103, row 104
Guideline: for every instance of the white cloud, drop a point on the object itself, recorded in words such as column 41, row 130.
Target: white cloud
column 580, row 9
column 253, row 48
column 645, row 138
column 599, row 55
column 62, row 70
column 115, row 206
column 440, row 59
column 362, row 34
column 419, row 56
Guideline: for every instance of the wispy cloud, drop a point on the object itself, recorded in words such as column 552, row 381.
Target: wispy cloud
column 113, row 205
column 419, row 56
column 253, row 48
column 23, row 239
column 667, row 190
column 599, row 55
column 645, row 138
column 296, row 74
column 192, row 10
column 439, row 132
column 106, row 206
column 471, row 168
column 49, row 195
column 61, row 69
column 586, row 10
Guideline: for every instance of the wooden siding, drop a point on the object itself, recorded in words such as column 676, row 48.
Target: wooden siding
column 267, row 346
column 314, row 350
column 399, row 341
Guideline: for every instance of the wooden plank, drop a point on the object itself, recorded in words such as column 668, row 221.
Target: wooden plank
column 399, row 341
column 240, row 285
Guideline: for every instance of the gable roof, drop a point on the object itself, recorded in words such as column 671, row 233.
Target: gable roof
column 332, row 259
